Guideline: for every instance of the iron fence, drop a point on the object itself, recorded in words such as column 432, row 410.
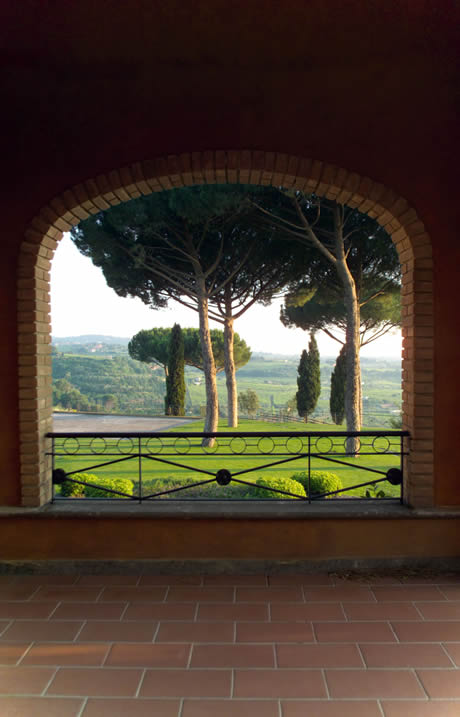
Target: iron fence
column 228, row 465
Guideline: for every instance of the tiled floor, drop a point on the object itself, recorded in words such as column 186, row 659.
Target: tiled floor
column 215, row 646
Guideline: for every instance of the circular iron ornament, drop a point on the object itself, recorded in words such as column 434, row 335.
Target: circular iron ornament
column 211, row 449
column 125, row 445
column 326, row 447
column 223, row 476
column 59, row 476
column 294, row 444
column 266, row 445
column 154, row 445
column 394, row 476
column 237, row 445
column 357, row 445
column 73, row 444
column 381, row 444
column 182, row 445
column 97, row 445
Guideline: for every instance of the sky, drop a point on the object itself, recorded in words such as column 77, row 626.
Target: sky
column 82, row 303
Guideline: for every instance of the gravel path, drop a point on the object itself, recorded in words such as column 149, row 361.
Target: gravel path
column 81, row 422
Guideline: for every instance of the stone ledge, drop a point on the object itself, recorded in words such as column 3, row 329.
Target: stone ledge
column 273, row 510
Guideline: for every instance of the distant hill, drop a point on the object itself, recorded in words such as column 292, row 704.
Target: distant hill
column 91, row 339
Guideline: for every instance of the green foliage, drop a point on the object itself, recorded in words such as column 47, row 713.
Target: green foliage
column 235, row 491
column 152, row 346
column 396, row 422
column 320, row 481
column 175, row 382
column 373, row 491
column 309, row 380
column 135, row 386
column 338, row 387
column 289, row 485
column 248, row 402
column 76, row 490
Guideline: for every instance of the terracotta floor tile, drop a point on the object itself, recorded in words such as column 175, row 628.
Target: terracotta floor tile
column 233, row 611
column 427, row 631
column 318, row 656
column 38, row 580
column 229, row 708
column 95, row 682
column 306, row 612
column 205, row 594
column 66, row 593
column 106, row 580
column 441, row 579
column 70, row 653
column 3, row 625
column 134, row 708
column 368, row 684
column 143, row 655
column 339, row 593
column 407, row 655
column 160, row 611
column 88, row 611
column 195, row 632
column 40, row 707
column 116, row 631
column 279, row 683
column 274, row 594
column 236, row 580
column 319, row 579
column 232, row 656
column 453, row 648
column 41, row 630
column 432, row 708
column 381, row 611
column 131, row 594
column 7, row 579
column 26, row 610
column 440, row 610
column 451, row 592
column 408, row 594
column 17, row 592
column 353, row 632
column 10, row 653
column 440, row 683
column 337, row 708
column 186, row 683
column 25, row 680
column 170, row 580
column 274, row 632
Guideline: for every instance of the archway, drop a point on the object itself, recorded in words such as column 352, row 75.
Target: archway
column 266, row 168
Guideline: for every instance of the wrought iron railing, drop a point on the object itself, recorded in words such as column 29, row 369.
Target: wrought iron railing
column 228, row 465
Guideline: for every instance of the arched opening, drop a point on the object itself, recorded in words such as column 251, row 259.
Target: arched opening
column 382, row 204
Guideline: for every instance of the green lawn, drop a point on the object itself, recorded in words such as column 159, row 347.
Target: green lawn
column 234, row 454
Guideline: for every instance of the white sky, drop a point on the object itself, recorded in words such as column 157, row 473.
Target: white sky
column 82, row 303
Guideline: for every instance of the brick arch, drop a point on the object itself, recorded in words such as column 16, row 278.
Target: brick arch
column 253, row 167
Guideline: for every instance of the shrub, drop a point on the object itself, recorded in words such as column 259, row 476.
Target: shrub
column 320, row 481
column 287, row 484
column 75, row 490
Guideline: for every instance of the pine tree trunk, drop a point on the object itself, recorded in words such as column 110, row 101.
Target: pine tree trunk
column 209, row 369
column 230, row 377
column 353, row 386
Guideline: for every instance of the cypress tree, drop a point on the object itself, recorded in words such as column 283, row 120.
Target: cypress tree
column 308, row 380
column 338, row 386
column 175, row 382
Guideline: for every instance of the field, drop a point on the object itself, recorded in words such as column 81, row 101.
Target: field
column 176, row 460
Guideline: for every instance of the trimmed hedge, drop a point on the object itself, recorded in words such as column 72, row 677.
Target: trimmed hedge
column 235, row 491
column 320, row 481
column 75, row 490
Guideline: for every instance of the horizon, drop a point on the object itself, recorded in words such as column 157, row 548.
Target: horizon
column 100, row 311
